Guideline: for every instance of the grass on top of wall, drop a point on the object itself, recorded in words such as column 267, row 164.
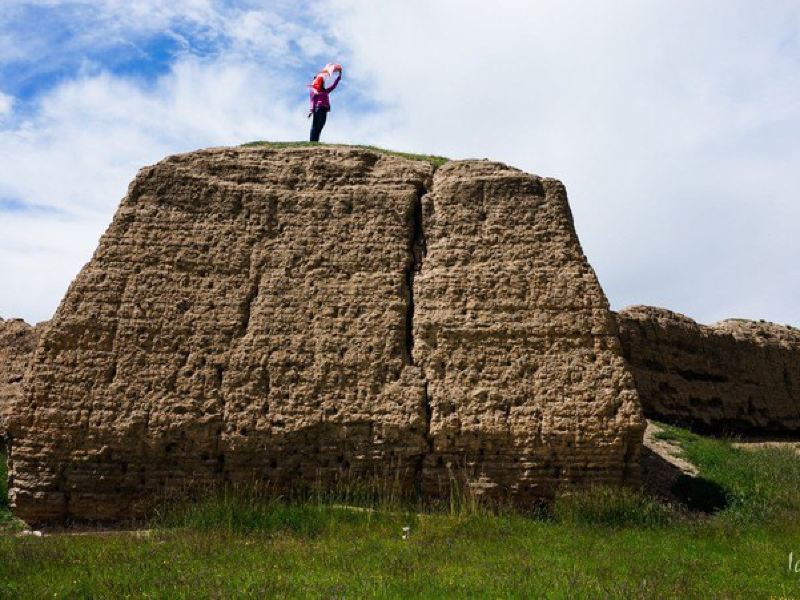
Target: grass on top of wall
column 436, row 161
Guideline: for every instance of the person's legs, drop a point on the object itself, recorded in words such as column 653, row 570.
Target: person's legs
column 314, row 130
column 320, row 116
column 323, row 116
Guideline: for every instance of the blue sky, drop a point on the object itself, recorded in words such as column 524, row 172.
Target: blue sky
column 674, row 124
column 56, row 41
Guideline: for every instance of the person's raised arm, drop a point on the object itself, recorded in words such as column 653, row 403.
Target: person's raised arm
column 335, row 83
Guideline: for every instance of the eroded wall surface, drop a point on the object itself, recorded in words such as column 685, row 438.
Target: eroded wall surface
column 735, row 375
column 320, row 316
column 525, row 382
column 17, row 343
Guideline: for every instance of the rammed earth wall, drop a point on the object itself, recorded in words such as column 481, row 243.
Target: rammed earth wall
column 735, row 375
column 305, row 316
column 17, row 343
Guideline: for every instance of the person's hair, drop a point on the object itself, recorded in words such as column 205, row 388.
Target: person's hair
column 318, row 83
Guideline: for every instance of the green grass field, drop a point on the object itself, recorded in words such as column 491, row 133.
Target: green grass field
column 599, row 544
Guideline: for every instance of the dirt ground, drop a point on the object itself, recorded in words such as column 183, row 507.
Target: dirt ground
column 662, row 464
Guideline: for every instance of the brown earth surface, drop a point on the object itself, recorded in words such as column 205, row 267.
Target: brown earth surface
column 759, row 443
column 662, row 464
column 314, row 317
column 17, row 343
column 733, row 376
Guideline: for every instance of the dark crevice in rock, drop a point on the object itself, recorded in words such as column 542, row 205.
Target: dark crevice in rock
column 690, row 375
column 417, row 253
column 417, row 250
column 252, row 295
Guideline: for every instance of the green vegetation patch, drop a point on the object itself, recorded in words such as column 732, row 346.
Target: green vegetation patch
column 436, row 161
column 602, row 543
column 612, row 507
column 761, row 486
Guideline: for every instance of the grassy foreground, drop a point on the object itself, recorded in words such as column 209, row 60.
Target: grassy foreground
column 600, row 544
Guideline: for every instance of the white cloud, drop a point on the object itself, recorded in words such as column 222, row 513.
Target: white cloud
column 6, row 104
column 86, row 143
column 674, row 126
column 76, row 155
column 39, row 256
column 68, row 158
column 74, row 28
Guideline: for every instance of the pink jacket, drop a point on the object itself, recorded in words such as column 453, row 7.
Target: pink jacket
column 319, row 99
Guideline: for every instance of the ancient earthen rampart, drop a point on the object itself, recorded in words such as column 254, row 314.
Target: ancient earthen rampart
column 17, row 343
column 735, row 375
column 304, row 316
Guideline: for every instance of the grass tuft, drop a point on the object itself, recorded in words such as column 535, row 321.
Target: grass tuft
column 612, row 507
column 233, row 512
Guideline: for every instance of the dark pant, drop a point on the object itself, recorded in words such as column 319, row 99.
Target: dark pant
column 320, row 116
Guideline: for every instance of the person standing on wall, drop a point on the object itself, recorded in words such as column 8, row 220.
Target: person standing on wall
column 320, row 102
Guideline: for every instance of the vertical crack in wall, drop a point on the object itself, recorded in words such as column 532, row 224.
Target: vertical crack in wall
column 417, row 251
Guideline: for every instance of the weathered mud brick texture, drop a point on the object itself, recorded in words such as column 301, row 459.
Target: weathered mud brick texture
column 243, row 318
column 735, row 375
column 525, row 382
column 17, row 343
column 270, row 315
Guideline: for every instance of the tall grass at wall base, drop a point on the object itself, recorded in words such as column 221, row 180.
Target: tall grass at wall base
column 598, row 543
column 246, row 510
column 613, row 507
